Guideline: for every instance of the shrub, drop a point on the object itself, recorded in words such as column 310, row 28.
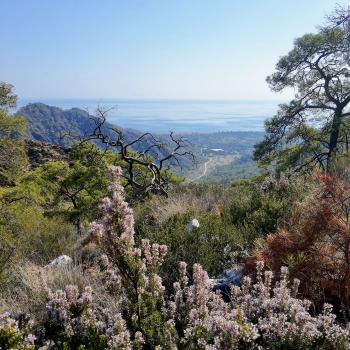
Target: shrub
column 26, row 234
column 259, row 315
column 259, row 206
column 316, row 245
column 14, row 337
column 213, row 244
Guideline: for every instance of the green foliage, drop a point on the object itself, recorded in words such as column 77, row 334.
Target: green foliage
column 211, row 244
column 13, row 339
column 250, row 210
column 7, row 98
column 11, row 126
column 13, row 158
column 73, row 190
column 260, row 205
column 15, row 334
column 310, row 130
column 26, row 233
column 260, row 313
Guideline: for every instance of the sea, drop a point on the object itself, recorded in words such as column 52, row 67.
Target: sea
column 183, row 116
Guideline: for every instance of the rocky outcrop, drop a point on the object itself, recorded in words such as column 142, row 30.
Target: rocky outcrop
column 62, row 127
column 41, row 152
column 230, row 277
column 63, row 260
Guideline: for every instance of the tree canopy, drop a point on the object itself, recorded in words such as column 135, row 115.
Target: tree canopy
column 13, row 158
column 7, row 98
column 313, row 128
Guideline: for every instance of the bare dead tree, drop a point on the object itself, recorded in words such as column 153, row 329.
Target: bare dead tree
column 143, row 155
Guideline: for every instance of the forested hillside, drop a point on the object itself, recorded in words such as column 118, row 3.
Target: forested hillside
column 102, row 246
column 61, row 127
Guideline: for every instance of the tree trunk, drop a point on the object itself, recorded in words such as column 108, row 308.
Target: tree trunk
column 78, row 220
column 333, row 139
column 78, row 226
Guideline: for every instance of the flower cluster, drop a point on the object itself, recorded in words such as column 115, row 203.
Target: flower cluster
column 14, row 335
column 73, row 321
column 256, row 314
column 129, row 271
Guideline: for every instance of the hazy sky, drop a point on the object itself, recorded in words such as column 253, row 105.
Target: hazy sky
column 170, row 49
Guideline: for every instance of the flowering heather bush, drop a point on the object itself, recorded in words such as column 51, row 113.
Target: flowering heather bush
column 13, row 335
column 258, row 315
column 131, row 272
column 73, row 322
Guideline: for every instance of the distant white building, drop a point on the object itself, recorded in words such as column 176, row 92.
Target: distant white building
column 216, row 150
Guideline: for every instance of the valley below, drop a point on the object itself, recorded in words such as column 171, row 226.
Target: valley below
column 219, row 156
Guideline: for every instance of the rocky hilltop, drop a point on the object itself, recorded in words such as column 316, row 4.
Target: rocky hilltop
column 61, row 126
column 40, row 153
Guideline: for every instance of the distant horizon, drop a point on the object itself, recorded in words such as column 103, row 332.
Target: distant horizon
column 162, row 116
column 151, row 99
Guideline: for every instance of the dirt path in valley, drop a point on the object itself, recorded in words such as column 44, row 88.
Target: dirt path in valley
column 213, row 162
column 204, row 171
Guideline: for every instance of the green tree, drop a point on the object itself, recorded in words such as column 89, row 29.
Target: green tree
column 311, row 130
column 27, row 233
column 13, row 158
column 73, row 190
column 7, row 98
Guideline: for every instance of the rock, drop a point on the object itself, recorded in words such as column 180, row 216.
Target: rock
column 193, row 224
column 62, row 260
column 228, row 278
column 40, row 153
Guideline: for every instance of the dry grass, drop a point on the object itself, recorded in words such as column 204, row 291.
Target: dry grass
column 27, row 291
column 190, row 198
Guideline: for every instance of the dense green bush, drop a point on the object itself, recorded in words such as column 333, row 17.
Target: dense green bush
column 13, row 335
column 213, row 244
column 258, row 206
column 230, row 220
column 13, row 157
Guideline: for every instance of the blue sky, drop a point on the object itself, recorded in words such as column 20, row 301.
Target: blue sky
column 138, row 49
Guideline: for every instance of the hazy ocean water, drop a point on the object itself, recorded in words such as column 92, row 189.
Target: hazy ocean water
column 160, row 116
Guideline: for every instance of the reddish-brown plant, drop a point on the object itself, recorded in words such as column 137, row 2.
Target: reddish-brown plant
column 316, row 245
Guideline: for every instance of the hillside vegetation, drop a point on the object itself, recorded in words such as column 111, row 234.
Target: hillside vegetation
column 105, row 248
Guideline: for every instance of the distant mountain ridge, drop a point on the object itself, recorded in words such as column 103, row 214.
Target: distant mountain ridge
column 52, row 124
column 49, row 124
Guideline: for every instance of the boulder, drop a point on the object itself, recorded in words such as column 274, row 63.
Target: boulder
column 228, row 278
column 62, row 260
column 194, row 223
